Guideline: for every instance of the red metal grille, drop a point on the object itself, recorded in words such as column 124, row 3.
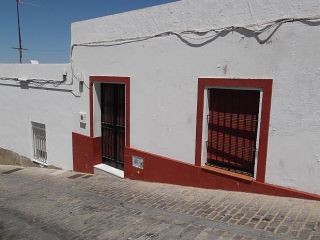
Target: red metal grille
column 232, row 129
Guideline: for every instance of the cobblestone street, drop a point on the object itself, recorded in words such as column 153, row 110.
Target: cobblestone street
column 42, row 204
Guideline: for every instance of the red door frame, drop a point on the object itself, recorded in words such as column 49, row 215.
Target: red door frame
column 265, row 85
column 118, row 80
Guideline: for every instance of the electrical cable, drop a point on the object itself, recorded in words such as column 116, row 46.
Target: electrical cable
column 260, row 28
column 34, row 80
column 39, row 83
column 248, row 30
column 253, row 29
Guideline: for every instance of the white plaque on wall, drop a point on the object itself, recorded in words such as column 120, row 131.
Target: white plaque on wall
column 137, row 162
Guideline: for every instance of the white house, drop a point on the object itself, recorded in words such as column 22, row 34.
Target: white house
column 213, row 94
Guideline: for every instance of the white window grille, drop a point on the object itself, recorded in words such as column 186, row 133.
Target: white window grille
column 39, row 142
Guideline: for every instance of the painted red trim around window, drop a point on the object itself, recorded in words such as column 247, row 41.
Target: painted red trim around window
column 165, row 170
column 111, row 79
column 263, row 84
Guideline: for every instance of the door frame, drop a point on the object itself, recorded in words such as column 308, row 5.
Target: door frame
column 265, row 86
column 115, row 80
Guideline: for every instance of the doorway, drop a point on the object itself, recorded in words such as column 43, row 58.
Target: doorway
column 113, row 124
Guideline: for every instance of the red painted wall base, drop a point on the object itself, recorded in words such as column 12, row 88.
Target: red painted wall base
column 165, row 170
column 86, row 152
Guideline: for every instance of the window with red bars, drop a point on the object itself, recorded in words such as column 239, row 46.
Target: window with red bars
column 232, row 129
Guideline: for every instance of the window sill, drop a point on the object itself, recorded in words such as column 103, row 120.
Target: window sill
column 39, row 162
column 227, row 173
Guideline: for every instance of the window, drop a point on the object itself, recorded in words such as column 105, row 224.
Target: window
column 264, row 87
column 39, row 142
column 232, row 129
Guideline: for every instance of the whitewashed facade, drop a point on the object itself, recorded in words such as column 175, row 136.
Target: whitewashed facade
column 164, row 71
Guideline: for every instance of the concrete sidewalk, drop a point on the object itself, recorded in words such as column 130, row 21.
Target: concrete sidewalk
column 41, row 204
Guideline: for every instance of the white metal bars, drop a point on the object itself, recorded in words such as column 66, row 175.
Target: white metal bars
column 39, row 142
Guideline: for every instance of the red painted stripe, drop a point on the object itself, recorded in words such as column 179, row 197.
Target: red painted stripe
column 87, row 152
column 166, row 170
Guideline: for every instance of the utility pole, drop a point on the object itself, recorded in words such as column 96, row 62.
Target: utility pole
column 20, row 48
column 20, row 42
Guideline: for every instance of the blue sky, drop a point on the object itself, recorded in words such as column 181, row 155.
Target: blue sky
column 45, row 25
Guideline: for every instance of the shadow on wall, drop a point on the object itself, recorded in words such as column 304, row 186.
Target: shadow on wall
column 256, row 34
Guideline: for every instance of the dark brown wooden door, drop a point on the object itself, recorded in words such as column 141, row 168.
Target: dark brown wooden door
column 232, row 129
column 113, row 124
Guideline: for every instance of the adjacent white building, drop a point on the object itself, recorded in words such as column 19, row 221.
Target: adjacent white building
column 214, row 94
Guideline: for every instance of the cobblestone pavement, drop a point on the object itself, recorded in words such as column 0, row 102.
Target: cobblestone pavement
column 54, row 204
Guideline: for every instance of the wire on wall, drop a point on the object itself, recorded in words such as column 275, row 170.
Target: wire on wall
column 36, row 81
column 251, row 30
column 209, row 35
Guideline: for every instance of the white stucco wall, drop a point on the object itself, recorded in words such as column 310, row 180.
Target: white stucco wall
column 54, row 106
column 164, row 73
